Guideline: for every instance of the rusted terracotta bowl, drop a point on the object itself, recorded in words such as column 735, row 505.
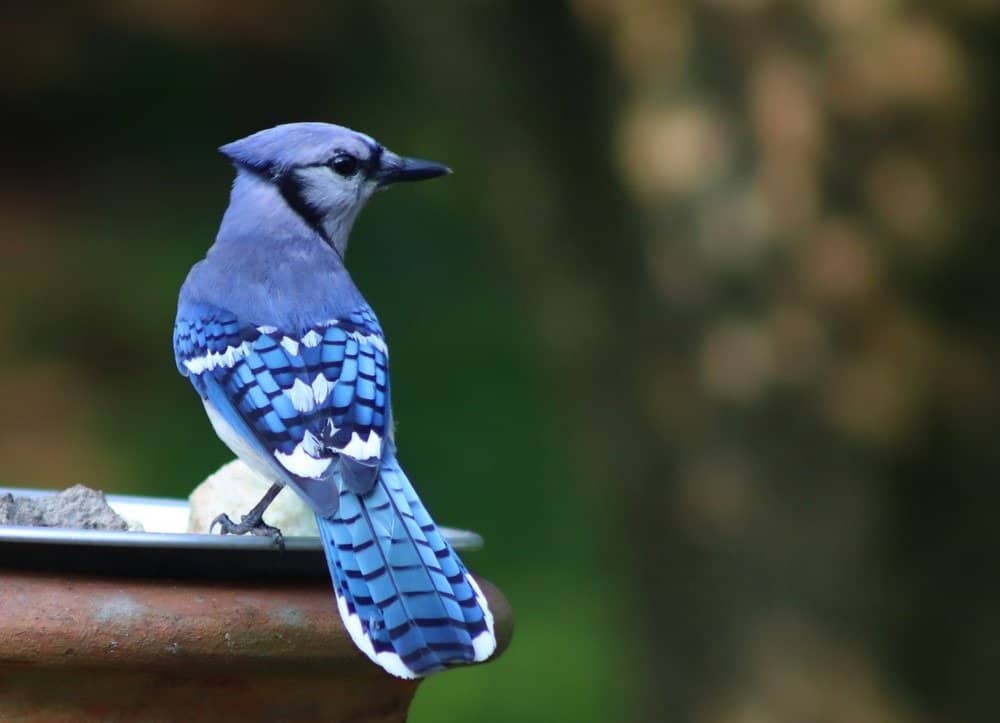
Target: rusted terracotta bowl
column 93, row 634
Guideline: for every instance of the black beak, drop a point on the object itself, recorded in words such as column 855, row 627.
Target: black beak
column 396, row 169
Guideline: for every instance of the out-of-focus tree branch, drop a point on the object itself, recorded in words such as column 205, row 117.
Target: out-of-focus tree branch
column 750, row 359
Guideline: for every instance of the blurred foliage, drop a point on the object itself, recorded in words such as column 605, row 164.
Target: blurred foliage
column 701, row 335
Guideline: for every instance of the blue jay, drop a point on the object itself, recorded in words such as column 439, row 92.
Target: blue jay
column 293, row 369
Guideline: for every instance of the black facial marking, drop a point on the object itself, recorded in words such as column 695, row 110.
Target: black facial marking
column 291, row 191
column 342, row 162
column 374, row 160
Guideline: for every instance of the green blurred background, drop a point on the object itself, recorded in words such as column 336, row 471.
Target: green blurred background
column 701, row 335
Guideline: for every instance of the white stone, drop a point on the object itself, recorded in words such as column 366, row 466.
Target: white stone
column 234, row 489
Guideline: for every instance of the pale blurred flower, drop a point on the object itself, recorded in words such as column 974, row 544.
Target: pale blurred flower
column 837, row 264
column 907, row 62
column 788, row 129
column 784, row 109
column 737, row 361
column 673, row 150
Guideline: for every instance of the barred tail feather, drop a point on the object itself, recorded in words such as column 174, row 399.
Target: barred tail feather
column 405, row 597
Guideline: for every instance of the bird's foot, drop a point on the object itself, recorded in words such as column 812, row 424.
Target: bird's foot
column 249, row 524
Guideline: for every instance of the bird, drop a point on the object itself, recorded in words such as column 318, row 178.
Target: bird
column 292, row 367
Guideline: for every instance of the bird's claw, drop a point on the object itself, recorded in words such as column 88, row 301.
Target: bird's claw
column 248, row 525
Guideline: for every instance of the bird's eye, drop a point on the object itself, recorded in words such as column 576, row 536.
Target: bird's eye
column 345, row 164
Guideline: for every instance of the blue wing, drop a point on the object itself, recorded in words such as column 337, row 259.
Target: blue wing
column 304, row 403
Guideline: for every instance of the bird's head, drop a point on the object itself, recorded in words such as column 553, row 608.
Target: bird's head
column 325, row 173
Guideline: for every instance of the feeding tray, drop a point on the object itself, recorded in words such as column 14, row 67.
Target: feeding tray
column 166, row 549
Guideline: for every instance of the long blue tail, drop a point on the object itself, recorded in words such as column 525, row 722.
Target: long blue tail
column 406, row 598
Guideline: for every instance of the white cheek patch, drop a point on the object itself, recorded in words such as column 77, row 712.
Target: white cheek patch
column 327, row 191
column 214, row 360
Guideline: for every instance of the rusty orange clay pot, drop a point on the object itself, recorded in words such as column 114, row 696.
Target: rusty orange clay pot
column 163, row 625
column 80, row 648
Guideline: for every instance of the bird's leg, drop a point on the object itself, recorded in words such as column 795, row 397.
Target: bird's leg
column 253, row 521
